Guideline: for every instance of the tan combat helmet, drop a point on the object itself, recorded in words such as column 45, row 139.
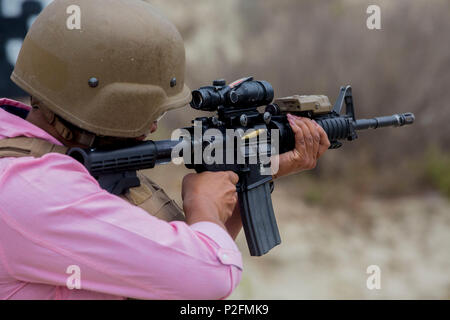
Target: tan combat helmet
column 115, row 75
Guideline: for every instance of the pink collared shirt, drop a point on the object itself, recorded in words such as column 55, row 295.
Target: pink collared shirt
column 55, row 220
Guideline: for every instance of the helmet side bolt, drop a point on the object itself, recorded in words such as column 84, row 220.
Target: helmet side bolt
column 173, row 82
column 93, row 82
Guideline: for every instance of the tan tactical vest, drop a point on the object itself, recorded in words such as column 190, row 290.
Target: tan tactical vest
column 148, row 196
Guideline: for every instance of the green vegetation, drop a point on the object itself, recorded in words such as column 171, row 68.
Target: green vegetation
column 437, row 169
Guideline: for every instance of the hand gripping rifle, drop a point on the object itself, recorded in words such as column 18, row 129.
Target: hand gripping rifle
column 236, row 106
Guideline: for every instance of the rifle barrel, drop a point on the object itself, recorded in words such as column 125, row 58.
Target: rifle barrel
column 396, row 120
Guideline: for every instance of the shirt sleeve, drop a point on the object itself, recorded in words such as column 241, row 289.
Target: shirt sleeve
column 54, row 215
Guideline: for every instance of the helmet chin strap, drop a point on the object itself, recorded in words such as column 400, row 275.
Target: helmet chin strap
column 71, row 133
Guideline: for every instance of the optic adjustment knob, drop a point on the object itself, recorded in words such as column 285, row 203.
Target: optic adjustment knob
column 219, row 83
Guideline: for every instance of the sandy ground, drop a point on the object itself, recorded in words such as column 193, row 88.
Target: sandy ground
column 325, row 251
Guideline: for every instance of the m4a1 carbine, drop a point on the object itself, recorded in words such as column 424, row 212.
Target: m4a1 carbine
column 236, row 106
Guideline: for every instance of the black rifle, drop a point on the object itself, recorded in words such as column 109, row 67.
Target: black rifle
column 237, row 105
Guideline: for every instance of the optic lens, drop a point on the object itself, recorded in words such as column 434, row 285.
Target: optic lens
column 197, row 99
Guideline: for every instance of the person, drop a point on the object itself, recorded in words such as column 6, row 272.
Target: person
column 105, row 84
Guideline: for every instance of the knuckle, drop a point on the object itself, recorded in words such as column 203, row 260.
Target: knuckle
column 233, row 175
column 226, row 175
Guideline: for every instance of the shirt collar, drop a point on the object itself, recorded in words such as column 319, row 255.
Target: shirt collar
column 14, row 126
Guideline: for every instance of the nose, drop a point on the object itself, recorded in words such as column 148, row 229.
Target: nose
column 154, row 127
